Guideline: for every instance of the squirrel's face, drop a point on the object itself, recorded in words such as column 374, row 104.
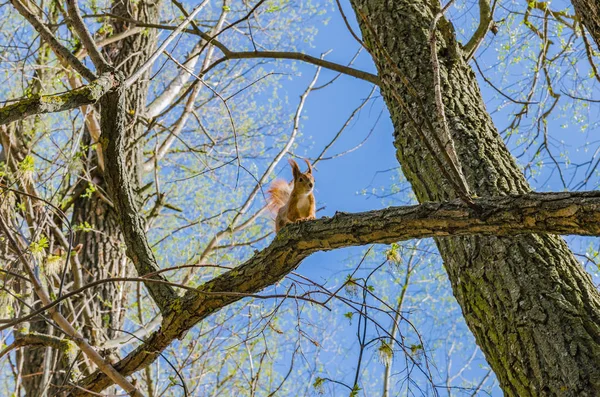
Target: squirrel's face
column 304, row 183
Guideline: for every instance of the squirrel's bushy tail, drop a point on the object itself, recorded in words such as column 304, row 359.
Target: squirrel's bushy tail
column 278, row 195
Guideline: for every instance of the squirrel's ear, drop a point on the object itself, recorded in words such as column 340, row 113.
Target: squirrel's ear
column 295, row 169
column 309, row 166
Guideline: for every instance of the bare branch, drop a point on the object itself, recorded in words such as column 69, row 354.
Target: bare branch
column 229, row 55
column 359, row 74
column 167, row 97
column 174, row 88
column 58, row 48
column 132, row 337
column 485, row 22
column 86, row 38
column 33, row 339
column 133, row 78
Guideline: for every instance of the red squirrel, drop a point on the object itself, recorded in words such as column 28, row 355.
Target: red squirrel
column 293, row 202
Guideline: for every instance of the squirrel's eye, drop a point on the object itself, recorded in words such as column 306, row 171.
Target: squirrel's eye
column 301, row 179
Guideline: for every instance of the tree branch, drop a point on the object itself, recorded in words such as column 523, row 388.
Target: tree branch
column 113, row 115
column 138, row 73
column 85, row 95
column 174, row 88
column 86, row 38
column 229, row 55
column 34, row 339
column 58, row 48
column 558, row 213
column 359, row 74
column 82, row 53
column 485, row 22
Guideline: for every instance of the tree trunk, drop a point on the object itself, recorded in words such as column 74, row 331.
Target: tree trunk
column 588, row 12
column 533, row 310
column 101, row 257
column 103, row 254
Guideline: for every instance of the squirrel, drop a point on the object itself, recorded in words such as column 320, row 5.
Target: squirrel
column 293, row 202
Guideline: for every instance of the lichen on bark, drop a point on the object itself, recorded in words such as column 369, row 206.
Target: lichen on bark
column 533, row 310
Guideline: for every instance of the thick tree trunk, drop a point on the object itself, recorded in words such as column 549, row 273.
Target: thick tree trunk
column 588, row 12
column 533, row 310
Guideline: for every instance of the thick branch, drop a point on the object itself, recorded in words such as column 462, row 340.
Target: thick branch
column 557, row 213
column 113, row 137
column 58, row 48
column 36, row 339
column 85, row 95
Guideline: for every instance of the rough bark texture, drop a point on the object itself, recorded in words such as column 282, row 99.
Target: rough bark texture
column 123, row 139
column 119, row 183
column 103, row 253
column 57, row 103
column 131, row 53
column 102, row 256
column 588, row 12
column 533, row 310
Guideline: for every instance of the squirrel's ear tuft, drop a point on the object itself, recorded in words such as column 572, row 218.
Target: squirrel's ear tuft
column 295, row 169
column 309, row 166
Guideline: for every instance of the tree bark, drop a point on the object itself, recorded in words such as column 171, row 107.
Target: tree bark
column 588, row 12
column 41, row 104
column 533, row 310
column 103, row 255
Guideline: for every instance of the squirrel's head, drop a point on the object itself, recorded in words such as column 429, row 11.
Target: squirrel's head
column 303, row 182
